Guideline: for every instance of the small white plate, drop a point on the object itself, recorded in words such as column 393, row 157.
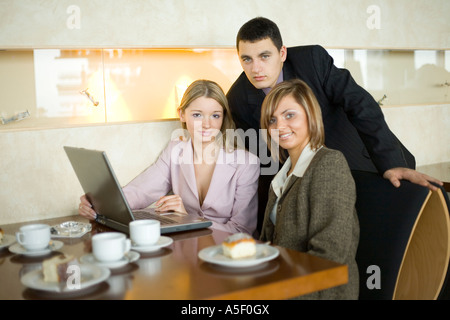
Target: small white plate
column 128, row 258
column 162, row 242
column 90, row 275
column 215, row 255
column 7, row 240
column 53, row 246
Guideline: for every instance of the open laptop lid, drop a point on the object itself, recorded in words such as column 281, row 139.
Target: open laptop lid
column 103, row 190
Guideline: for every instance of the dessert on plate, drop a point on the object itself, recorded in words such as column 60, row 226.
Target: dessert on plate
column 55, row 269
column 238, row 246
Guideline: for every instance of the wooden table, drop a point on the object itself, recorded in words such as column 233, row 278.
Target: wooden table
column 176, row 272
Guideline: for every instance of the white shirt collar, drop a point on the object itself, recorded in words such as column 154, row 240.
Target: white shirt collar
column 281, row 179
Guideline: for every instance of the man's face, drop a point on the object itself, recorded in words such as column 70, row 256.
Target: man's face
column 262, row 62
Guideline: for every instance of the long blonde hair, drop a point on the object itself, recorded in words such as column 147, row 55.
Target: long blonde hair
column 305, row 97
column 210, row 89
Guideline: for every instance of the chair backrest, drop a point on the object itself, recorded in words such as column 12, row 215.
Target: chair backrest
column 396, row 226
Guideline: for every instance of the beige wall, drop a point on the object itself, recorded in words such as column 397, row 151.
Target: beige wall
column 423, row 130
column 36, row 180
column 150, row 23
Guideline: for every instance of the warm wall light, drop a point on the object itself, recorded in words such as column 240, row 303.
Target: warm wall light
column 174, row 100
column 179, row 92
column 86, row 93
column 118, row 109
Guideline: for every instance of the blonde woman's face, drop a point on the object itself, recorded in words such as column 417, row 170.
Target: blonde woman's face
column 291, row 121
column 203, row 118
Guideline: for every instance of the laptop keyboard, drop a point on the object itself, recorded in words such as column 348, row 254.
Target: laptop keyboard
column 139, row 215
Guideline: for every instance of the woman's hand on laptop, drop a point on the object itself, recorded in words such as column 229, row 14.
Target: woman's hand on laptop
column 170, row 203
column 85, row 208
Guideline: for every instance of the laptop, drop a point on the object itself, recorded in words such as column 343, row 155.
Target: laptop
column 99, row 182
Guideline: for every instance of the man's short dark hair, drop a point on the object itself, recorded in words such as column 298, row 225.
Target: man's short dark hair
column 259, row 29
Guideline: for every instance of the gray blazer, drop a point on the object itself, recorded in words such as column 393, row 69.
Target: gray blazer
column 316, row 214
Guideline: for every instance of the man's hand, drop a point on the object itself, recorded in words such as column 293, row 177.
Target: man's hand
column 394, row 175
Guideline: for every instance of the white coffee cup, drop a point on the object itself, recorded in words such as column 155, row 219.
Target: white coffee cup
column 145, row 232
column 110, row 246
column 34, row 237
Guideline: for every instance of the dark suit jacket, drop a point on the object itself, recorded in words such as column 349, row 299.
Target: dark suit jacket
column 353, row 120
column 316, row 214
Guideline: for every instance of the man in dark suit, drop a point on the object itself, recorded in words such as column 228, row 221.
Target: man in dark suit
column 353, row 120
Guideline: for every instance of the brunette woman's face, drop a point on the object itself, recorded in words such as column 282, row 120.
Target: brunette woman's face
column 203, row 118
column 291, row 120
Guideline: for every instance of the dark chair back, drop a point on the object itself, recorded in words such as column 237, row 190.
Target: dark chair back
column 387, row 218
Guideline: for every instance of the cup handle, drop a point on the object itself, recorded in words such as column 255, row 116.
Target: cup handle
column 127, row 245
column 19, row 236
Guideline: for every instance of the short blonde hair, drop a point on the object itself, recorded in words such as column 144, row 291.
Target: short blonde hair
column 304, row 96
column 210, row 89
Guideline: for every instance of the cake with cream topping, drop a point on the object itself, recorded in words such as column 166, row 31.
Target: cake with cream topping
column 238, row 246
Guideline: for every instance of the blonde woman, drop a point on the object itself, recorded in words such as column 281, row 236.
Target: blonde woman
column 205, row 172
column 311, row 205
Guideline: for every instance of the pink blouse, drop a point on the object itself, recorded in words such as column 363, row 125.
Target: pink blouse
column 232, row 199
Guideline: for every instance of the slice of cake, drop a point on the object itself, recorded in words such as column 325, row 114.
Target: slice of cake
column 238, row 246
column 55, row 269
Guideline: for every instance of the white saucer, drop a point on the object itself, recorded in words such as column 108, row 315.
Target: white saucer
column 215, row 255
column 7, row 240
column 53, row 246
column 128, row 258
column 162, row 242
